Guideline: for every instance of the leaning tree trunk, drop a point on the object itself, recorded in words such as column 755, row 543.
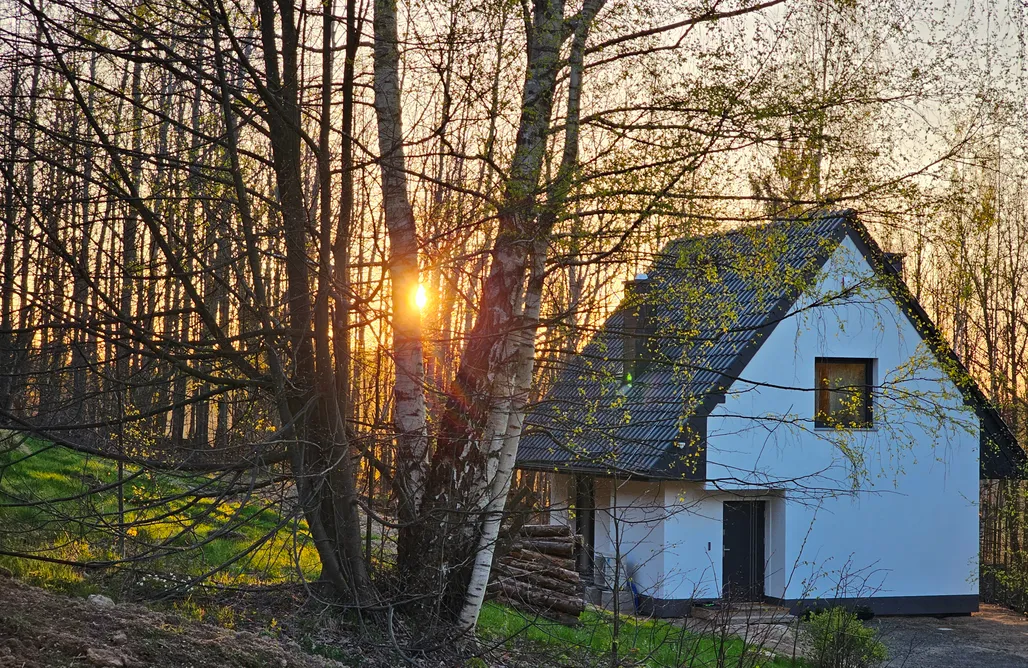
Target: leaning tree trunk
column 503, row 443
column 476, row 416
column 506, row 436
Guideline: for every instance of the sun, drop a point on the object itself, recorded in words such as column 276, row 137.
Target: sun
column 421, row 297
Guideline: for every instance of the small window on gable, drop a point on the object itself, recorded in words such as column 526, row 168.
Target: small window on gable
column 843, row 392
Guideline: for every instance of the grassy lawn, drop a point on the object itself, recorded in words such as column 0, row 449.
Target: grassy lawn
column 654, row 643
column 63, row 505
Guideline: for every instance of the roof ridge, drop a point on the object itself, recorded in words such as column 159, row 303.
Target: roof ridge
column 849, row 215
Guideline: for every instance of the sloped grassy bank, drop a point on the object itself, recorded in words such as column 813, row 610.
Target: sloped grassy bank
column 62, row 506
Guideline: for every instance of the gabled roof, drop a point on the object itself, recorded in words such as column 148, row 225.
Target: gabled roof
column 713, row 301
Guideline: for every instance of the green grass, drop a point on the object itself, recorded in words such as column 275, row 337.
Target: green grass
column 63, row 522
column 45, row 510
column 655, row 643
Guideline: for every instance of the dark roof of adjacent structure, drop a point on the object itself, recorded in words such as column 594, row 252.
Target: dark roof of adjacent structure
column 712, row 301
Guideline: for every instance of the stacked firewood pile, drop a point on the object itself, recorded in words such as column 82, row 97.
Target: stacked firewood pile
column 537, row 573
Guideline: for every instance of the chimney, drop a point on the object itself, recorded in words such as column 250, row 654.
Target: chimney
column 636, row 327
column 895, row 260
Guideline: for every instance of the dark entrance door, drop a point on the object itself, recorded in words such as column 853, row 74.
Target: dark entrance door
column 743, row 550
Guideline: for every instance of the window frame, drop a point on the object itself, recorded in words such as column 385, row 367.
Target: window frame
column 869, row 371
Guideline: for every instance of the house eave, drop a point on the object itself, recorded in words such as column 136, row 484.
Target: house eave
column 647, row 475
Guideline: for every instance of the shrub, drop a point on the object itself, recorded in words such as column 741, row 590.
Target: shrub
column 838, row 639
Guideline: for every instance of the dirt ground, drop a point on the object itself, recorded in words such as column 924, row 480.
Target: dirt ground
column 42, row 629
column 992, row 638
column 39, row 629
column 995, row 637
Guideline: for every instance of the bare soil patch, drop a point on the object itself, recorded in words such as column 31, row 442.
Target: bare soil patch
column 40, row 629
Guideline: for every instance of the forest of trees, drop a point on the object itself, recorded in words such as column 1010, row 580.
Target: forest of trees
column 325, row 256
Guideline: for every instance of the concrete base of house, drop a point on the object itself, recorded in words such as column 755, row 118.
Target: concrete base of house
column 624, row 602
column 883, row 606
column 890, row 606
column 745, row 614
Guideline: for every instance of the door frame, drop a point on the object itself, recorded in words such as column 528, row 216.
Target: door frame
column 756, row 566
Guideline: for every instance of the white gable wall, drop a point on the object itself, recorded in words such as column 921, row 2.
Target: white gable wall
column 912, row 529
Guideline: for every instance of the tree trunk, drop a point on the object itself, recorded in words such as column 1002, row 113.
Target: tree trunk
column 321, row 461
column 409, row 416
column 466, row 472
column 503, row 449
column 7, row 261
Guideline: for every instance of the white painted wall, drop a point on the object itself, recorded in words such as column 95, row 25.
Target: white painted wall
column 560, row 499
column 778, row 566
column 694, row 536
column 911, row 525
column 630, row 522
column 693, row 542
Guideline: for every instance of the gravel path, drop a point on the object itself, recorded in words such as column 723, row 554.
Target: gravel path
column 992, row 638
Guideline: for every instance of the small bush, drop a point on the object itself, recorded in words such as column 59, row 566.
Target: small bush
column 838, row 639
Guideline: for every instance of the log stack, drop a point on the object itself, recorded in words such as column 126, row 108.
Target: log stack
column 537, row 574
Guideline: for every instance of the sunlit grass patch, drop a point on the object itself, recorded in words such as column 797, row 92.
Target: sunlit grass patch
column 656, row 643
column 64, row 505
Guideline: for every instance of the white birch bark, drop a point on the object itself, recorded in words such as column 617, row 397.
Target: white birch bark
column 503, row 445
column 508, row 418
column 408, row 390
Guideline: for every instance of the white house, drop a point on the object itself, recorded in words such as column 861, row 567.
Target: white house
column 770, row 415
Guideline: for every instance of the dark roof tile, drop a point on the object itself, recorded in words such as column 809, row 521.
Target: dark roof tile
column 710, row 298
